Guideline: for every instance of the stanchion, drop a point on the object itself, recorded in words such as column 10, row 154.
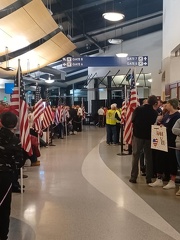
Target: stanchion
column 66, row 130
column 21, row 176
column 50, row 136
column 122, row 153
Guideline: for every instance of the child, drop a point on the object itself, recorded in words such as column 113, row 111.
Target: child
column 11, row 156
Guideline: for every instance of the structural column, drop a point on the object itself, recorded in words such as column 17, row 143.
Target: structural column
column 109, row 92
column 90, row 95
column 96, row 87
column 43, row 91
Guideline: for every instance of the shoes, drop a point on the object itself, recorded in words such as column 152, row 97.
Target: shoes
column 178, row 192
column 157, row 183
column 114, row 144
column 37, row 163
column 171, row 184
column 148, row 181
column 132, row 180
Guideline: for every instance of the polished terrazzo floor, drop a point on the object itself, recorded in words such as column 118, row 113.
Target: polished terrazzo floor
column 81, row 192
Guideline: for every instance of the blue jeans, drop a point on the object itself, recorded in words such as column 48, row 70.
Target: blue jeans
column 138, row 145
column 111, row 133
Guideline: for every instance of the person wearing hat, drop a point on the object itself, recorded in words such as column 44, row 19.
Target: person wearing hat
column 11, row 156
column 167, row 160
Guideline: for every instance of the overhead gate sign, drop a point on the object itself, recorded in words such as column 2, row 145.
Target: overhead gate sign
column 130, row 61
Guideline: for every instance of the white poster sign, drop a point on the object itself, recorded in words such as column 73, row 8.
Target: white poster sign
column 159, row 138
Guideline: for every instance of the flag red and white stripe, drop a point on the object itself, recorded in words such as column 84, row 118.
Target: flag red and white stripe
column 123, row 112
column 58, row 115
column 47, row 118
column 133, row 103
column 20, row 108
column 38, row 110
column 24, row 127
column 14, row 105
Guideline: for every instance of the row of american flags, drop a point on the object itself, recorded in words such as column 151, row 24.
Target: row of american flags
column 19, row 106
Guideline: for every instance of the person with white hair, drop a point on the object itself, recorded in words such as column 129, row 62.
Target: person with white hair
column 111, row 125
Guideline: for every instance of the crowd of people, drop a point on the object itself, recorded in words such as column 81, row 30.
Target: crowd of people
column 66, row 120
column 153, row 163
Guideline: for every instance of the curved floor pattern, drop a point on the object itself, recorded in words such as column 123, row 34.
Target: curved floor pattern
column 104, row 180
column 20, row 230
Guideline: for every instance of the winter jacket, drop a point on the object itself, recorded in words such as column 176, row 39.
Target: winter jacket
column 11, row 155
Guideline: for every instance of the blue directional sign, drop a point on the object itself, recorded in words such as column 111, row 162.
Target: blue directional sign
column 140, row 61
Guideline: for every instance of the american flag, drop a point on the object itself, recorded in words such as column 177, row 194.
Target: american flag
column 58, row 115
column 47, row 119
column 123, row 112
column 133, row 103
column 20, row 108
column 38, row 110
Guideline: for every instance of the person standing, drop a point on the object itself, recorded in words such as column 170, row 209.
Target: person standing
column 101, row 117
column 11, row 157
column 111, row 125
column 143, row 117
column 167, row 160
column 79, row 118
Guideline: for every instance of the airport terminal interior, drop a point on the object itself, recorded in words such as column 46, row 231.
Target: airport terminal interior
column 82, row 191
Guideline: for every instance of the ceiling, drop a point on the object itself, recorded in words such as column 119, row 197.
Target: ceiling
column 82, row 22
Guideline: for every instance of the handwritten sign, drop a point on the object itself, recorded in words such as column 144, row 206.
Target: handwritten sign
column 159, row 138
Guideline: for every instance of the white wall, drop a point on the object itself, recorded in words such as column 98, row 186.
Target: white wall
column 171, row 29
column 171, row 39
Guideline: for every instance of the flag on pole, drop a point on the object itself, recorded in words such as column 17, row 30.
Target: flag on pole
column 133, row 103
column 123, row 112
column 58, row 115
column 47, row 118
column 38, row 110
column 14, row 104
column 20, row 108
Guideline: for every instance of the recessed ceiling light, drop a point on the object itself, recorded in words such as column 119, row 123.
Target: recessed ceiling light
column 150, row 80
column 121, row 55
column 49, row 81
column 113, row 16
column 137, row 84
column 115, row 41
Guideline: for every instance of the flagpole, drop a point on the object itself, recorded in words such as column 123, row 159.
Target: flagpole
column 122, row 125
column 19, row 79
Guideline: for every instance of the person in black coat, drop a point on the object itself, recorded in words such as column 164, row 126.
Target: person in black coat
column 143, row 117
column 11, row 157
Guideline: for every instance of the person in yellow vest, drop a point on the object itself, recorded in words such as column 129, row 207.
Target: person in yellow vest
column 111, row 125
